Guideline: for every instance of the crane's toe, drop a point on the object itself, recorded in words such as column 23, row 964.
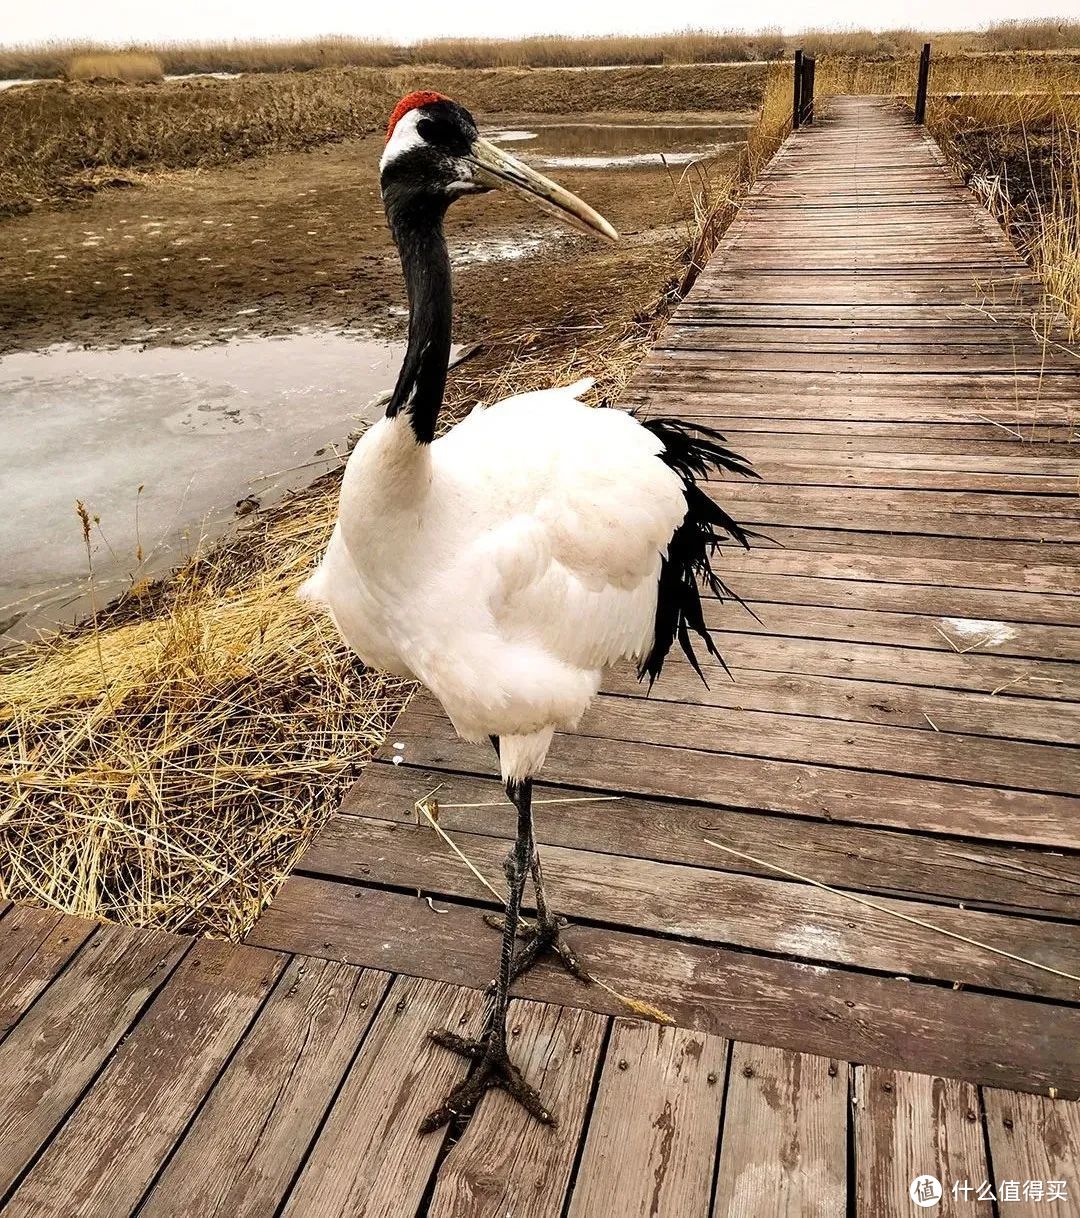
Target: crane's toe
column 493, row 1069
column 543, row 938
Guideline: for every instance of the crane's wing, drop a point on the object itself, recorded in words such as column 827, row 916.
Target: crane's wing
column 580, row 512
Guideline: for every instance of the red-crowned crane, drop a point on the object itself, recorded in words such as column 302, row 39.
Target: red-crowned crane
column 506, row 564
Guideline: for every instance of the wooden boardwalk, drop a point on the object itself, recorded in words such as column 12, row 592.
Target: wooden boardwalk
column 903, row 727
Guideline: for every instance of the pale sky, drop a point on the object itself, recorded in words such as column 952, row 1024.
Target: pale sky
column 407, row 20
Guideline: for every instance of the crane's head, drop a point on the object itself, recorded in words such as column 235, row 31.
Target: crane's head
column 434, row 153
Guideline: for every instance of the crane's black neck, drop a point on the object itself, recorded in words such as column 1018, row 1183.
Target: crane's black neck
column 426, row 263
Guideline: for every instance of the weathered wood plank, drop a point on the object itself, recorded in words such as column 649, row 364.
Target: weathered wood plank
column 368, row 1160
column 973, row 872
column 952, row 602
column 763, row 784
column 1002, row 1041
column 506, row 1162
column 1033, row 1141
column 1027, row 583
column 244, row 1149
column 35, row 944
column 930, row 545
column 57, row 1048
column 911, row 1125
column 722, row 906
column 976, row 670
column 920, row 708
column 106, row 1154
column 783, row 1148
column 653, row 1131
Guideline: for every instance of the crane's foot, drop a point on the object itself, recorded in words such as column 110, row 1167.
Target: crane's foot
column 493, row 1069
column 543, row 938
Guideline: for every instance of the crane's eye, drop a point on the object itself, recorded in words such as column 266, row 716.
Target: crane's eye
column 441, row 132
column 448, row 128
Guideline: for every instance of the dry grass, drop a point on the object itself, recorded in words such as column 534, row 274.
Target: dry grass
column 1005, row 75
column 547, row 51
column 167, row 769
column 59, row 140
column 1021, row 155
column 1036, row 34
column 125, row 67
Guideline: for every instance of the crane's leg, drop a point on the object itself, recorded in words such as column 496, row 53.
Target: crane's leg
column 546, row 935
column 493, row 1065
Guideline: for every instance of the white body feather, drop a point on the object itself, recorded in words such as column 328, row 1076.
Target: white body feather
column 506, row 564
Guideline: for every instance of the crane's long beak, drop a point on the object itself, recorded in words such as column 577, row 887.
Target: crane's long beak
column 499, row 169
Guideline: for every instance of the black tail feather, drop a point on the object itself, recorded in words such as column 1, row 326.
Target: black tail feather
column 693, row 452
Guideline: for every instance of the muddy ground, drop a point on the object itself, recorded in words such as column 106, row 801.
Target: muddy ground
column 299, row 239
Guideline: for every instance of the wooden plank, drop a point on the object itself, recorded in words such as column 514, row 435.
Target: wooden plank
column 775, row 471
column 506, row 1162
column 919, row 599
column 970, row 872
column 368, row 1160
column 56, row 1049
column 907, row 545
column 764, row 514
column 975, row 440
column 834, row 698
column 1001, row 1041
column 109, row 1149
column 1019, row 765
column 35, row 945
column 763, row 784
column 248, row 1142
column 1034, row 1139
column 999, row 575
column 910, row 1125
column 823, row 499
column 783, row 1149
column 652, row 1135
column 974, row 671
column 722, row 906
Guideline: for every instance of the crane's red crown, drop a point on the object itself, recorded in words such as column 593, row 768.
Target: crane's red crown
column 412, row 101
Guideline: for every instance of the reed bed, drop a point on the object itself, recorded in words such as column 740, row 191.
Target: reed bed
column 952, row 75
column 127, row 67
column 61, row 141
column 1021, row 155
column 548, row 51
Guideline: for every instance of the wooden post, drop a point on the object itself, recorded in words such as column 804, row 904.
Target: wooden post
column 924, row 82
column 809, row 64
column 796, row 102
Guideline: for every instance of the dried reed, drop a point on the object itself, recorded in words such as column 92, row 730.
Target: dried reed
column 129, row 67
